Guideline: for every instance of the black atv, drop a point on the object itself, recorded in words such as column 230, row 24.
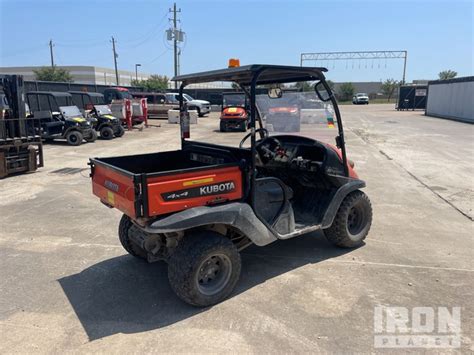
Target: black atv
column 94, row 108
column 59, row 118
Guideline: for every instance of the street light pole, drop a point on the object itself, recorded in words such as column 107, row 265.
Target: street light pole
column 136, row 71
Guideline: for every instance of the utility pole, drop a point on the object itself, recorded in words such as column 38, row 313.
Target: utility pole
column 175, row 42
column 178, row 71
column 115, row 61
column 136, row 71
column 51, row 45
column 404, row 67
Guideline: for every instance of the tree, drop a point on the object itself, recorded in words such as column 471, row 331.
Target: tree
column 388, row 88
column 346, row 90
column 330, row 84
column 53, row 74
column 153, row 83
column 447, row 74
column 304, row 86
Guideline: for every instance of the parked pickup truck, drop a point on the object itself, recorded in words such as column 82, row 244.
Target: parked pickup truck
column 360, row 98
column 202, row 107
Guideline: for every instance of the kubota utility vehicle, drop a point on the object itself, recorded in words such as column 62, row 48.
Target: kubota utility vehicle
column 93, row 105
column 234, row 114
column 197, row 207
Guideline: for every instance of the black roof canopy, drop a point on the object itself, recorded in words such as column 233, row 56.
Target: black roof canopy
column 51, row 93
column 243, row 75
column 86, row 93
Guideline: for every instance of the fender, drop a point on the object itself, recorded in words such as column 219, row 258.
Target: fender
column 237, row 214
column 339, row 195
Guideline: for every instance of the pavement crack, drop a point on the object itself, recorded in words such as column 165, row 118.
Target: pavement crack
column 437, row 194
column 363, row 136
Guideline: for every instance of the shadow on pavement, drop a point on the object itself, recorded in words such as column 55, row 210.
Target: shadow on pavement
column 127, row 295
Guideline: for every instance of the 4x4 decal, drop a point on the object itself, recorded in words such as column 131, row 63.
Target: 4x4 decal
column 206, row 190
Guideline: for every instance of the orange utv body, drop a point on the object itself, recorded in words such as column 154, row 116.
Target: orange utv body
column 234, row 118
column 179, row 180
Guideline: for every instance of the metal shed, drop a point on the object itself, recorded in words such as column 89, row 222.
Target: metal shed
column 452, row 99
column 411, row 97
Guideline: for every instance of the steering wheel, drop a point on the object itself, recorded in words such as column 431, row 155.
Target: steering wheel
column 266, row 148
column 265, row 135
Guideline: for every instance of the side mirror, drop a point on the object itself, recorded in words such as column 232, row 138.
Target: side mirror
column 321, row 91
column 275, row 93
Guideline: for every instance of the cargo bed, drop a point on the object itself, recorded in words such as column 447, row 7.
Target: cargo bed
column 148, row 185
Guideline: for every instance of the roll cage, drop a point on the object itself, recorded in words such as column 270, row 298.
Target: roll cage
column 248, row 78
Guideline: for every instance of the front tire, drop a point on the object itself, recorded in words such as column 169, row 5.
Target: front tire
column 106, row 133
column 204, row 268
column 74, row 138
column 222, row 126
column 126, row 227
column 352, row 222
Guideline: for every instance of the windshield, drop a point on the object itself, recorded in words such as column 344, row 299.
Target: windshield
column 3, row 101
column 97, row 100
column 70, row 111
column 187, row 97
column 103, row 110
column 361, row 94
column 237, row 99
column 172, row 98
column 301, row 113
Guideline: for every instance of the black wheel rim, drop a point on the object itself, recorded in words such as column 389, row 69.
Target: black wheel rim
column 213, row 274
column 73, row 138
column 357, row 219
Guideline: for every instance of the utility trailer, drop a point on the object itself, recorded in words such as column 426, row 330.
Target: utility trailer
column 21, row 149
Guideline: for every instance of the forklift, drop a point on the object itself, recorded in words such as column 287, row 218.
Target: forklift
column 21, row 149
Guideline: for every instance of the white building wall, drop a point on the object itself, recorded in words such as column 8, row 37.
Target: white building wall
column 454, row 100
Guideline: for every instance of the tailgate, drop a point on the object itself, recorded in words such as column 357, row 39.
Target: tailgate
column 115, row 188
column 177, row 192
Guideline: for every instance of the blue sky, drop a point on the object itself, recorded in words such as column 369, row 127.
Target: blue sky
column 437, row 34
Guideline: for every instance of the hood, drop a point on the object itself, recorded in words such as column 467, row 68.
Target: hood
column 200, row 102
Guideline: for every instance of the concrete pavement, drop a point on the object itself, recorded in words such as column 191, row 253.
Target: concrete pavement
column 67, row 285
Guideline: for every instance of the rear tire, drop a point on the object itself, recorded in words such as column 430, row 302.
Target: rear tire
column 352, row 222
column 243, row 126
column 125, row 228
column 74, row 138
column 204, row 268
column 120, row 132
column 106, row 133
column 93, row 137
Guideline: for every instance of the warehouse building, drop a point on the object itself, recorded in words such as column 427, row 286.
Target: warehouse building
column 452, row 99
column 82, row 74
